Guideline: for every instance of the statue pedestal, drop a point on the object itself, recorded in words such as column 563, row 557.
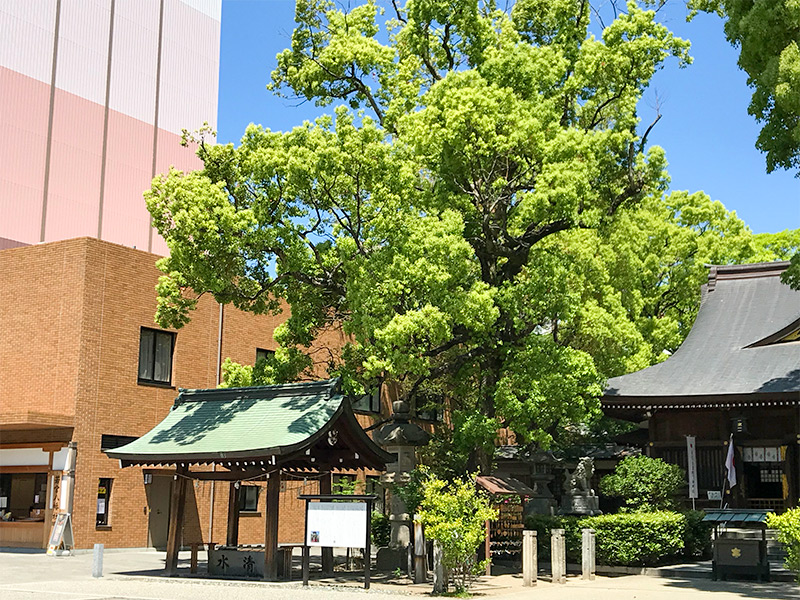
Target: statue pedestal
column 580, row 504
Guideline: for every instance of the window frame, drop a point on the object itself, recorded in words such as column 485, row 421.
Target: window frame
column 106, row 520
column 374, row 404
column 263, row 353
column 153, row 381
column 243, row 498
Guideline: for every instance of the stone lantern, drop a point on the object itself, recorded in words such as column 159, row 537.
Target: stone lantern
column 401, row 437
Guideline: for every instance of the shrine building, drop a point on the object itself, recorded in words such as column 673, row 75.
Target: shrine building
column 737, row 372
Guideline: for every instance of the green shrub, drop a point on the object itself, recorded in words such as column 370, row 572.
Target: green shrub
column 637, row 539
column 788, row 526
column 381, row 529
column 629, row 539
column 644, row 484
column 697, row 536
column 543, row 524
column 455, row 515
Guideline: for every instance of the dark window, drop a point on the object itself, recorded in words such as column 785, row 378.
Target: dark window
column 109, row 442
column 155, row 356
column 373, row 487
column 429, row 406
column 265, row 354
column 370, row 402
column 103, row 501
column 248, row 498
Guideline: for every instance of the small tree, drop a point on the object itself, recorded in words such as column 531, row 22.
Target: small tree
column 645, row 484
column 454, row 515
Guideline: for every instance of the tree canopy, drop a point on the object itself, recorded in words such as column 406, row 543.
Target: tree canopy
column 482, row 213
column 767, row 33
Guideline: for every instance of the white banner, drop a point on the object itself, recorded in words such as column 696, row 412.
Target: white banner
column 337, row 524
column 691, row 464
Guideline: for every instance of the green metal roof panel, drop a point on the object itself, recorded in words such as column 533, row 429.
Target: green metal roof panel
column 735, row 516
column 226, row 421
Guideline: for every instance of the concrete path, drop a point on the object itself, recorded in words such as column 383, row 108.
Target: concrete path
column 136, row 575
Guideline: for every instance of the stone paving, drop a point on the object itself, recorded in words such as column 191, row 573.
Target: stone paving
column 137, row 575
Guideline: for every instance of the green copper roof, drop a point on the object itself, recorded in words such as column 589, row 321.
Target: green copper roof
column 238, row 422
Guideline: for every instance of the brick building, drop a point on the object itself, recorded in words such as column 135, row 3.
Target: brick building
column 82, row 361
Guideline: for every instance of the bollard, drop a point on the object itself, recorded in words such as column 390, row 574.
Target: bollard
column 588, row 554
column 530, row 558
column 558, row 556
column 420, row 567
column 439, row 583
column 97, row 561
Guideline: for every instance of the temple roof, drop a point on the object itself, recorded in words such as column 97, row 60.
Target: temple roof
column 263, row 426
column 738, row 346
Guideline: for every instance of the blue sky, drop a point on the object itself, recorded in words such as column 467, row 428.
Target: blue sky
column 705, row 129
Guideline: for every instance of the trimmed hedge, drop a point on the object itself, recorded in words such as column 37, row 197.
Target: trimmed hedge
column 629, row 539
column 638, row 539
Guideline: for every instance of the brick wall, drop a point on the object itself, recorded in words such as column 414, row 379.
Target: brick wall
column 72, row 313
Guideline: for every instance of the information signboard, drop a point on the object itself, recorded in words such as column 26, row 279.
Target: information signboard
column 61, row 534
column 337, row 524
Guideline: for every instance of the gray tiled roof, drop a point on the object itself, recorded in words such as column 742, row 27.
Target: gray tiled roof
column 742, row 305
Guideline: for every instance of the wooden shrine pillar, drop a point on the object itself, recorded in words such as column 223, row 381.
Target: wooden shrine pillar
column 232, row 537
column 326, row 487
column 176, row 520
column 271, row 506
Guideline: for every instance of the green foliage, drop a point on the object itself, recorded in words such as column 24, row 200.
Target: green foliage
column 411, row 491
column 766, row 34
column 346, row 484
column 638, row 539
column 645, row 484
column 381, row 529
column 629, row 539
column 788, row 526
column 697, row 539
column 454, row 515
column 482, row 213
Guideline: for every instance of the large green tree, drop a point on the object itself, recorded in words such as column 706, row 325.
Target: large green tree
column 444, row 216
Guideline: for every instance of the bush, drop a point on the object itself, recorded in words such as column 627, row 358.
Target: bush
column 628, row 539
column 638, row 539
column 697, row 537
column 543, row 524
column 644, row 484
column 788, row 526
column 454, row 515
column 381, row 529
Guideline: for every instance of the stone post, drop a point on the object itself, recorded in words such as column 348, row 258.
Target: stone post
column 97, row 561
column 587, row 554
column 420, row 566
column 439, row 581
column 530, row 558
column 558, row 556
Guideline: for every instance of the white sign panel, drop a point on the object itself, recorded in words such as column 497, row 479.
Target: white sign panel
column 714, row 495
column 337, row 524
column 691, row 463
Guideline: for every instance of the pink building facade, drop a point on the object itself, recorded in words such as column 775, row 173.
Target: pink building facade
column 94, row 95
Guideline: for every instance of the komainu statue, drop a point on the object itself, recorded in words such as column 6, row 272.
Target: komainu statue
column 579, row 497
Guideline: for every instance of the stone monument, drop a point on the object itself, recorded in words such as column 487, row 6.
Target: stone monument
column 579, row 497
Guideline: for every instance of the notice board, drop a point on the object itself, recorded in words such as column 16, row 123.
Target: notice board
column 337, row 524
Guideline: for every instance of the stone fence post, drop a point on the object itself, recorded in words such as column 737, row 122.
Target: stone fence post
column 558, row 556
column 439, row 581
column 530, row 557
column 588, row 561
